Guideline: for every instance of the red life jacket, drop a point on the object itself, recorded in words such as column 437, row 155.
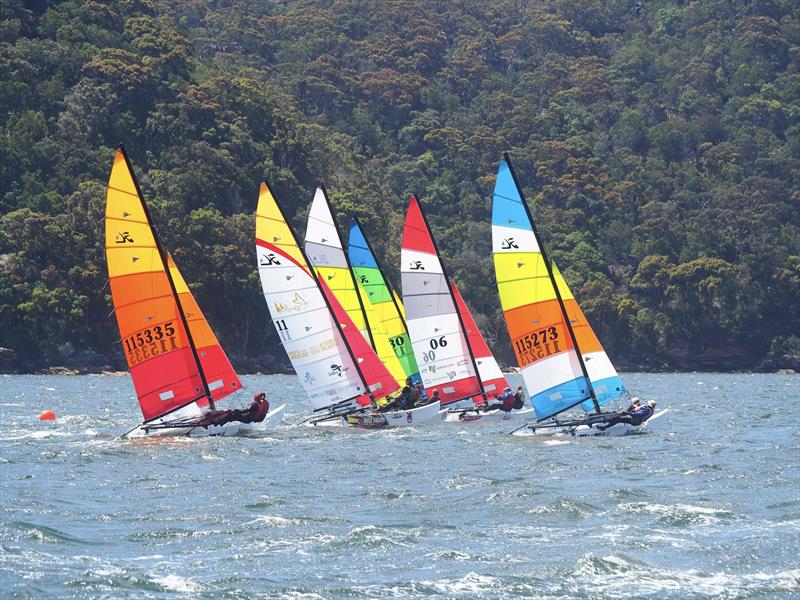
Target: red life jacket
column 261, row 410
column 508, row 402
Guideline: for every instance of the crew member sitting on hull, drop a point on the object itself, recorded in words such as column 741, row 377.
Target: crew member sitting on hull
column 255, row 413
column 636, row 416
column 635, row 405
column 421, row 396
column 506, row 402
column 405, row 401
column 519, row 398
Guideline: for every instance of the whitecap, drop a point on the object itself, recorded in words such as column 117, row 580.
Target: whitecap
column 176, row 583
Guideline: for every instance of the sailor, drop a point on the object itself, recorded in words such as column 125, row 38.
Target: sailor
column 421, row 396
column 505, row 402
column 636, row 416
column 519, row 398
column 635, row 404
column 406, row 399
column 435, row 396
column 255, row 413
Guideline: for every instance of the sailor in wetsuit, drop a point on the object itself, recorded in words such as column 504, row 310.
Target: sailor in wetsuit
column 255, row 413
column 635, row 415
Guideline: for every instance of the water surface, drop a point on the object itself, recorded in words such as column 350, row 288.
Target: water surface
column 707, row 507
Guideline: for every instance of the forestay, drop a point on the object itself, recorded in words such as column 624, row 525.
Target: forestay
column 386, row 307
column 554, row 354
column 437, row 337
column 170, row 366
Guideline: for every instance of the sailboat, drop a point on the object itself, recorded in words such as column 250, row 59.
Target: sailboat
column 561, row 359
column 178, row 368
column 337, row 367
column 377, row 293
column 442, row 339
column 325, row 250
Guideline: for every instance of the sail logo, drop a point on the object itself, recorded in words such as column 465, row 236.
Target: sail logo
column 363, row 279
column 416, row 265
column 508, row 244
column 309, row 378
column 268, row 260
column 123, row 237
column 338, row 370
column 451, row 375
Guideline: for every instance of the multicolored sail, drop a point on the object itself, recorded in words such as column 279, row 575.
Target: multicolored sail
column 561, row 361
column 386, row 307
column 488, row 369
column 317, row 333
column 325, row 250
column 437, row 337
column 171, row 366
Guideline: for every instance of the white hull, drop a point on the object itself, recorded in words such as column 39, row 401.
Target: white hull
column 398, row 418
column 270, row 422
column 469, row 416
column 617, row 430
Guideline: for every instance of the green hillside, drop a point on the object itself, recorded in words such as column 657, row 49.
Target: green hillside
column 658, row 143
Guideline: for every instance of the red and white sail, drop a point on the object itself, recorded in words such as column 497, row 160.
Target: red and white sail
column 439, row 343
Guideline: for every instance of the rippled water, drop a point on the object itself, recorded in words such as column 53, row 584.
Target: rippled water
column 709, row 506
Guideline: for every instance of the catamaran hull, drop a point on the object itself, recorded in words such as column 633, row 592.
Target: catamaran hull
column 620, row 429
column 470, row 416
column 400, row 418
column 270, row 422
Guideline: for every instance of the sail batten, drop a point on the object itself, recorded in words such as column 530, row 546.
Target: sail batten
column 560, row 357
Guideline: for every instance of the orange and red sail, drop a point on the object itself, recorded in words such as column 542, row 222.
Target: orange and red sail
column 172, row 364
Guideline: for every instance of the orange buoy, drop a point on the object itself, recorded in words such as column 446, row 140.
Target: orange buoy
column 47, row 415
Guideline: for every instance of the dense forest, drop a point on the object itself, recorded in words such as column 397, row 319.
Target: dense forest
column 658, row 143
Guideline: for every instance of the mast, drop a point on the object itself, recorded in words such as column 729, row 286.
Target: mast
column 313, row 274
column 455, row 305
column 349, row 267
column 177, row 299
column 549, row 267
column 383, row 275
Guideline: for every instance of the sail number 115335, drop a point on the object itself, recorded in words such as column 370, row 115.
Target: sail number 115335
column 150, row 342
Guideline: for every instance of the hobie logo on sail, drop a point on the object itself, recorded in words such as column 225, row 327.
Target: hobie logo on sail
column 338, row 370
column 416, row 265
column 269, row 260
column 123, row 237
column 508, row 244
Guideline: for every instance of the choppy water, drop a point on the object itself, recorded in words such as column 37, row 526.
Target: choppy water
column 708, row 507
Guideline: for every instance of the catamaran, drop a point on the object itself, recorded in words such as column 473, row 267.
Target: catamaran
column 178, row 368
column 443, row 333
column 340, row 371
column 561, row 359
